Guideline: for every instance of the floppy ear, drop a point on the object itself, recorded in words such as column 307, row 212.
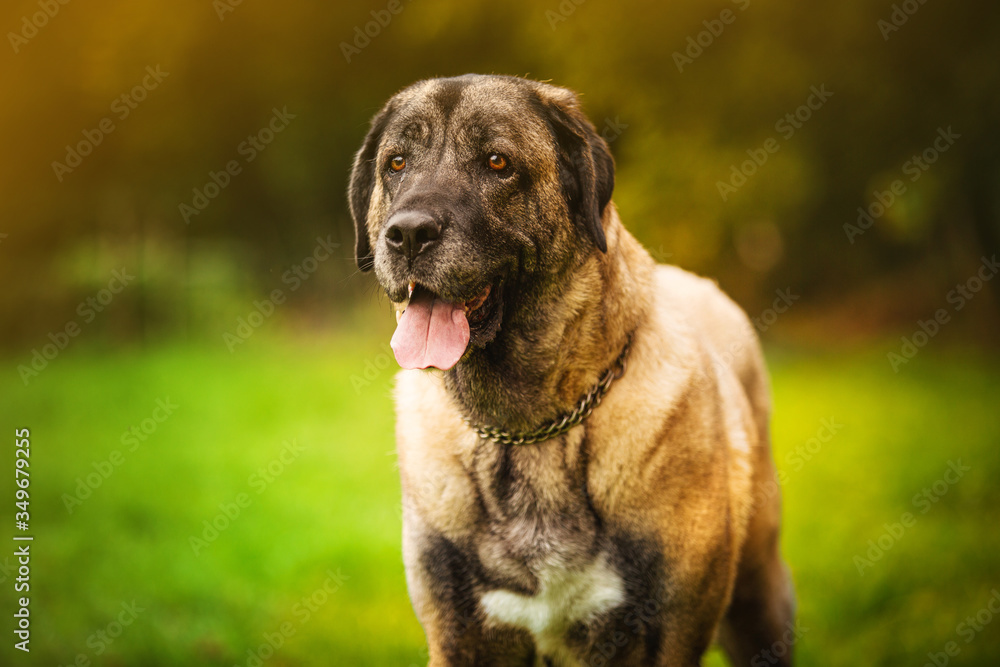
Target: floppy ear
column 586, row 168
column 359, row 192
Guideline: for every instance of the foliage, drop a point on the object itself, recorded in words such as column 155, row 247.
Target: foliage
column 679, row 130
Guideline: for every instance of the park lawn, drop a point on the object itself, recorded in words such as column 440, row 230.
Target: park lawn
column 286, row 444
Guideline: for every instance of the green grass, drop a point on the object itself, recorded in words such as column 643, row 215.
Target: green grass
column 335, row 505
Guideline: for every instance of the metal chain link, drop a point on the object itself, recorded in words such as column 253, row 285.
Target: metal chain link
column 561, row 425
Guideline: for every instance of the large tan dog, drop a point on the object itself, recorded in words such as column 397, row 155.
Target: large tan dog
column 586, row 473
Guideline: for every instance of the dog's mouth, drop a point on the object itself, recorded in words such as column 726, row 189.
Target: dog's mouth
column 432, row 331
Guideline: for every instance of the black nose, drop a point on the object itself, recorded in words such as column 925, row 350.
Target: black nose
column 410, row 233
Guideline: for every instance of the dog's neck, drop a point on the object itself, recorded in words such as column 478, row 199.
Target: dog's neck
column 558, row 337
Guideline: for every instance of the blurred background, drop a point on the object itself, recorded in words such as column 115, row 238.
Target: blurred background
column 205, row 374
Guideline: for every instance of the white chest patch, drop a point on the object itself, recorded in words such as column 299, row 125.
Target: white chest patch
column 564, row 597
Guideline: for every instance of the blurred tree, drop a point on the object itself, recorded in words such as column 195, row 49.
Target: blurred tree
column 680, row 126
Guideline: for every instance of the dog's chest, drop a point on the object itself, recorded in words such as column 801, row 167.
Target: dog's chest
column 542, row 539
column 537, row 509
column 564, row 597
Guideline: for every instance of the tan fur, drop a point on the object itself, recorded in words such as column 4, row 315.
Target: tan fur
column 695, row 365
column 646, row 530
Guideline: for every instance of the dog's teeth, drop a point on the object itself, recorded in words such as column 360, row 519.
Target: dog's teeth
column 399, row 314
column 410, row 288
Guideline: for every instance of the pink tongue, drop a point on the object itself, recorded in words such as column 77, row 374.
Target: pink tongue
column 431, row 332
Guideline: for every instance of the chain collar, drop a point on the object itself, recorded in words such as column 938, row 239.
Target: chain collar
column 560, row 425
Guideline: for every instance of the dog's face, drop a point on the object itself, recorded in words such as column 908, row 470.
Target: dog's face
column 465, row 192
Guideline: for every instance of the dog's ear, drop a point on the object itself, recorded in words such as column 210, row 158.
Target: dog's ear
column 586, row 168
column 359, row 191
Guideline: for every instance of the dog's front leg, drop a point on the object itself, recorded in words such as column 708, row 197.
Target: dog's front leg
column 445, row 580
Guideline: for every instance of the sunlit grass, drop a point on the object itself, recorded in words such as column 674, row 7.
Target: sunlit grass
column 312, row 560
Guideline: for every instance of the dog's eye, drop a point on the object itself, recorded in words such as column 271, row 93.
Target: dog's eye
column 397, row 163
column 497, row 162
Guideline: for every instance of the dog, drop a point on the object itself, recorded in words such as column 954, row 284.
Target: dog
column 582, row 434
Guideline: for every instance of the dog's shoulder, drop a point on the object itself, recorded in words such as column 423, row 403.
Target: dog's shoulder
column 684, row 401
column 722, row 327
column 704, row 305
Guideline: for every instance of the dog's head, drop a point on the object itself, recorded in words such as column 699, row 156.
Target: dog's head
column 463, row 190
